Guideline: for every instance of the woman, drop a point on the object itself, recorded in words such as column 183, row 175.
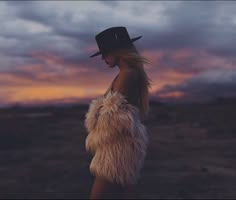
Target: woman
column 116, row 136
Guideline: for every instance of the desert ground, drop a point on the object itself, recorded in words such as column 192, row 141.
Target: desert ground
column 191, row 154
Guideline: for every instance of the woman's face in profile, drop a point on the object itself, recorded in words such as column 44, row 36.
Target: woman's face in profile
column 110, row 59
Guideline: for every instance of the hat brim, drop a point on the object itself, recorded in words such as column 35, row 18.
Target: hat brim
column 99, row 52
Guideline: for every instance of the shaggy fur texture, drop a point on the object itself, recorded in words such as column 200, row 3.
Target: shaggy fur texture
column 117, row 139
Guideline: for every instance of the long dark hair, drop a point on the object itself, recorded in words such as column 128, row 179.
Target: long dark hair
column 137, row 61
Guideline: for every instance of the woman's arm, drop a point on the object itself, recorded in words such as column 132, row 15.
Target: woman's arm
column 116, row 119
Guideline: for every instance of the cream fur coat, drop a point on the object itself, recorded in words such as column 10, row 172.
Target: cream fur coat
column 116, row 138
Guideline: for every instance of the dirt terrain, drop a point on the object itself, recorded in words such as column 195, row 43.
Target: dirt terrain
column 191, row 154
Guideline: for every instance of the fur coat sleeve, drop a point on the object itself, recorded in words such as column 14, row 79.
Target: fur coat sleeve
column 116, row 137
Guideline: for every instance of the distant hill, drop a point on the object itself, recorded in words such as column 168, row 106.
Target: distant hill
column 67, row 106
column 223, row 100
column 156, row 103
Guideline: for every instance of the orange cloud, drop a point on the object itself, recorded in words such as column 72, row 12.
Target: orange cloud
column 176, row 94
column 37, row 93
column 56, row 79
column 155, row 56
column 182, row 54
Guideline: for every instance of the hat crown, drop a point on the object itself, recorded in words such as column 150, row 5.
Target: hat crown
column 113, row 34
column 112, row 38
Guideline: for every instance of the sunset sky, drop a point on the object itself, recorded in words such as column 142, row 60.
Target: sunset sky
column 45, row 48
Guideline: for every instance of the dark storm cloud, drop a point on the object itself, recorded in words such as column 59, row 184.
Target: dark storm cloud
column 206, row 86
column 110, row 3
column 208, row 25
column 66, row 38
column 61, row 24
column 30, row 10
column 67, row 30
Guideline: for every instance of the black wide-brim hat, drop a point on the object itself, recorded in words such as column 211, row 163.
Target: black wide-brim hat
column 113, row 38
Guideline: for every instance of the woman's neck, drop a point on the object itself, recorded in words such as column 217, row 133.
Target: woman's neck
column 123, row 65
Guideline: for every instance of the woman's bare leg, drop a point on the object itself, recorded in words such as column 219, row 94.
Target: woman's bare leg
column 103, row 189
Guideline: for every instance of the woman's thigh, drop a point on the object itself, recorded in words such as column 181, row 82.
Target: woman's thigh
column 103, row 189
